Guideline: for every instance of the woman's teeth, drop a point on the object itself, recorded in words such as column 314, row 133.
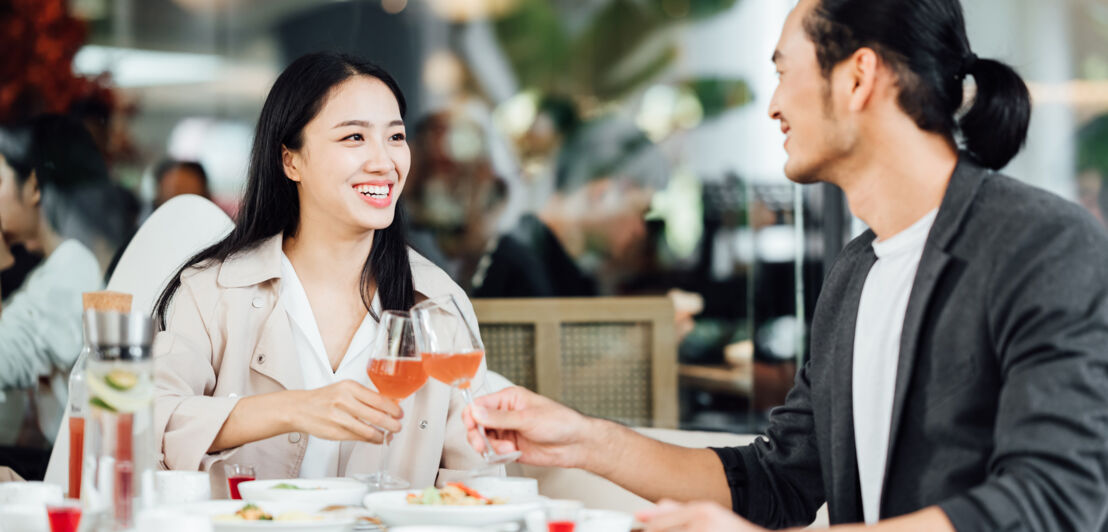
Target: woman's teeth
column 373, row 191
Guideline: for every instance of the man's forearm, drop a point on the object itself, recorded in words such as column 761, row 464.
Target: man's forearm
column 652, row 469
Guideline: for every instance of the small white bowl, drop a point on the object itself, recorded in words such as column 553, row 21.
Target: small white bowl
column 182, row 487
column 604, row 521
column 25, row 517
column 35, row 492
column 341, row 491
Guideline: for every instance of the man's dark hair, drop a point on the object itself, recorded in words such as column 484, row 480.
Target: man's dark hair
column 166, row 165
column 925, row 42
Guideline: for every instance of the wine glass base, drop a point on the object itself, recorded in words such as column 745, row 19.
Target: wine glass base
column 379, row 482
column 502, row 458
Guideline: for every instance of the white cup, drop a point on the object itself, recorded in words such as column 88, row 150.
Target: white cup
column 35, row 492
column 181, row 487
column 514, row 489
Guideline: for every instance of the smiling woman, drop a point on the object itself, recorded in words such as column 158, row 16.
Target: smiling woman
column 267, row 332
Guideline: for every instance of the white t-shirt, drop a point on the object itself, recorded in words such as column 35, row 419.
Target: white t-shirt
column 877, row 352
column 321, row 458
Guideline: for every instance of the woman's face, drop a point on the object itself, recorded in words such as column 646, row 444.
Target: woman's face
column 354, row 159
column 18, row 206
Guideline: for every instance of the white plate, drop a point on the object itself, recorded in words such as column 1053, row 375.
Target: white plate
column 433, row 528
column 393, row 508
column 320, row 490
column 329, row 523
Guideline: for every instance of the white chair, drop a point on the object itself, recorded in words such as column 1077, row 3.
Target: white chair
column 175, row 232
column 600, row 493
column 179, row 229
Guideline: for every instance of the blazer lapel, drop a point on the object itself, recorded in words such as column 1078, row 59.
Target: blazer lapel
column 846, row 504
column 274, row 355
column 959, row 195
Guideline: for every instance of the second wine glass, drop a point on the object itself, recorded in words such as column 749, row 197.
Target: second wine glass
column 452, row 352
column 396, row 369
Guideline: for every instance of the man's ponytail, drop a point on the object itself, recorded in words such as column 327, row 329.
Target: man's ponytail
column 995, row 127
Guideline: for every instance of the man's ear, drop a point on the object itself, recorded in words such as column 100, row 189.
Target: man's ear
column 288, row 161
column 862, row 75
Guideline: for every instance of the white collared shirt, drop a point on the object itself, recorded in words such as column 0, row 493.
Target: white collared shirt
column 877, row 353
column 321, row 459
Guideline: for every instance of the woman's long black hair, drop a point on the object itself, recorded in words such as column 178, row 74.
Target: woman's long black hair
column 925, row 41
column 271, row 205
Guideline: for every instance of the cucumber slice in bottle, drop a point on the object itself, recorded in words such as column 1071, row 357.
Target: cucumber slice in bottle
column 121, row 379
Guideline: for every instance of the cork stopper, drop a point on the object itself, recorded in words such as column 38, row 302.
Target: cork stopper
column 107, row 301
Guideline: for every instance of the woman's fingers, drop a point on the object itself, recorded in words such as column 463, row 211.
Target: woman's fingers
column 374, row 399
column 370, row 415
column 359, row 430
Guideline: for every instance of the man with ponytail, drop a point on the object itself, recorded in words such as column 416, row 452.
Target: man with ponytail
column 958, row 377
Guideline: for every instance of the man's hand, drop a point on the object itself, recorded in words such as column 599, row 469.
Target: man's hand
column 693, row 517
column 547, row 433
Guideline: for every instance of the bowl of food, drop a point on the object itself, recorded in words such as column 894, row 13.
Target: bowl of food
column 343, row 491
column 455, row 504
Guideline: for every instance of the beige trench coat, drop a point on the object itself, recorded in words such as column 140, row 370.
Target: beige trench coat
column 228, row 336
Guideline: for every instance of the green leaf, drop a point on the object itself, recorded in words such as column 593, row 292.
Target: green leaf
column 536, row 44
column 718, row 95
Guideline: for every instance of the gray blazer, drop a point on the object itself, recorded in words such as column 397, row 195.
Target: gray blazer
column 1000, row 414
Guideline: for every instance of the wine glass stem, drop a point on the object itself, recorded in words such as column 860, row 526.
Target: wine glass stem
column 384, row 456
column 489, row 451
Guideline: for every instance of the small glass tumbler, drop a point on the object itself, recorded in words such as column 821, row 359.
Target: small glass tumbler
column 562, row 515
column 237, row 474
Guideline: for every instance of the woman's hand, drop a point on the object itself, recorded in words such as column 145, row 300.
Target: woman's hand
column 344, row 411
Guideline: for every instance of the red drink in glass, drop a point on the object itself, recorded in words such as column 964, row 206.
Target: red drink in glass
column 560, row 526
column 396, row 378
column 76, row 454
column 453, row 368
column 64, row 518
column 233, row 484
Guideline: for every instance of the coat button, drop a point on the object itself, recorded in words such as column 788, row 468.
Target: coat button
column 294, row 437
column 257, row 302
column 261, row 358
column 423, row 424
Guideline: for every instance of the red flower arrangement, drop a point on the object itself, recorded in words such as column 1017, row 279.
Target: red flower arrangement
column 39, row 39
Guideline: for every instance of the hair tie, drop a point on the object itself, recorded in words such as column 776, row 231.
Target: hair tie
column 969, row 61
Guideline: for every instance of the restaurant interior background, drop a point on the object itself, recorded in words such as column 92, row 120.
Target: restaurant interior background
column 635, row 129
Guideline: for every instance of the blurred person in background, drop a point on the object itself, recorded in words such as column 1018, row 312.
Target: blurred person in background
column 56, row 200
column 456, row 202
column 174, row 178
column 590, row 233
column 957, row 377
